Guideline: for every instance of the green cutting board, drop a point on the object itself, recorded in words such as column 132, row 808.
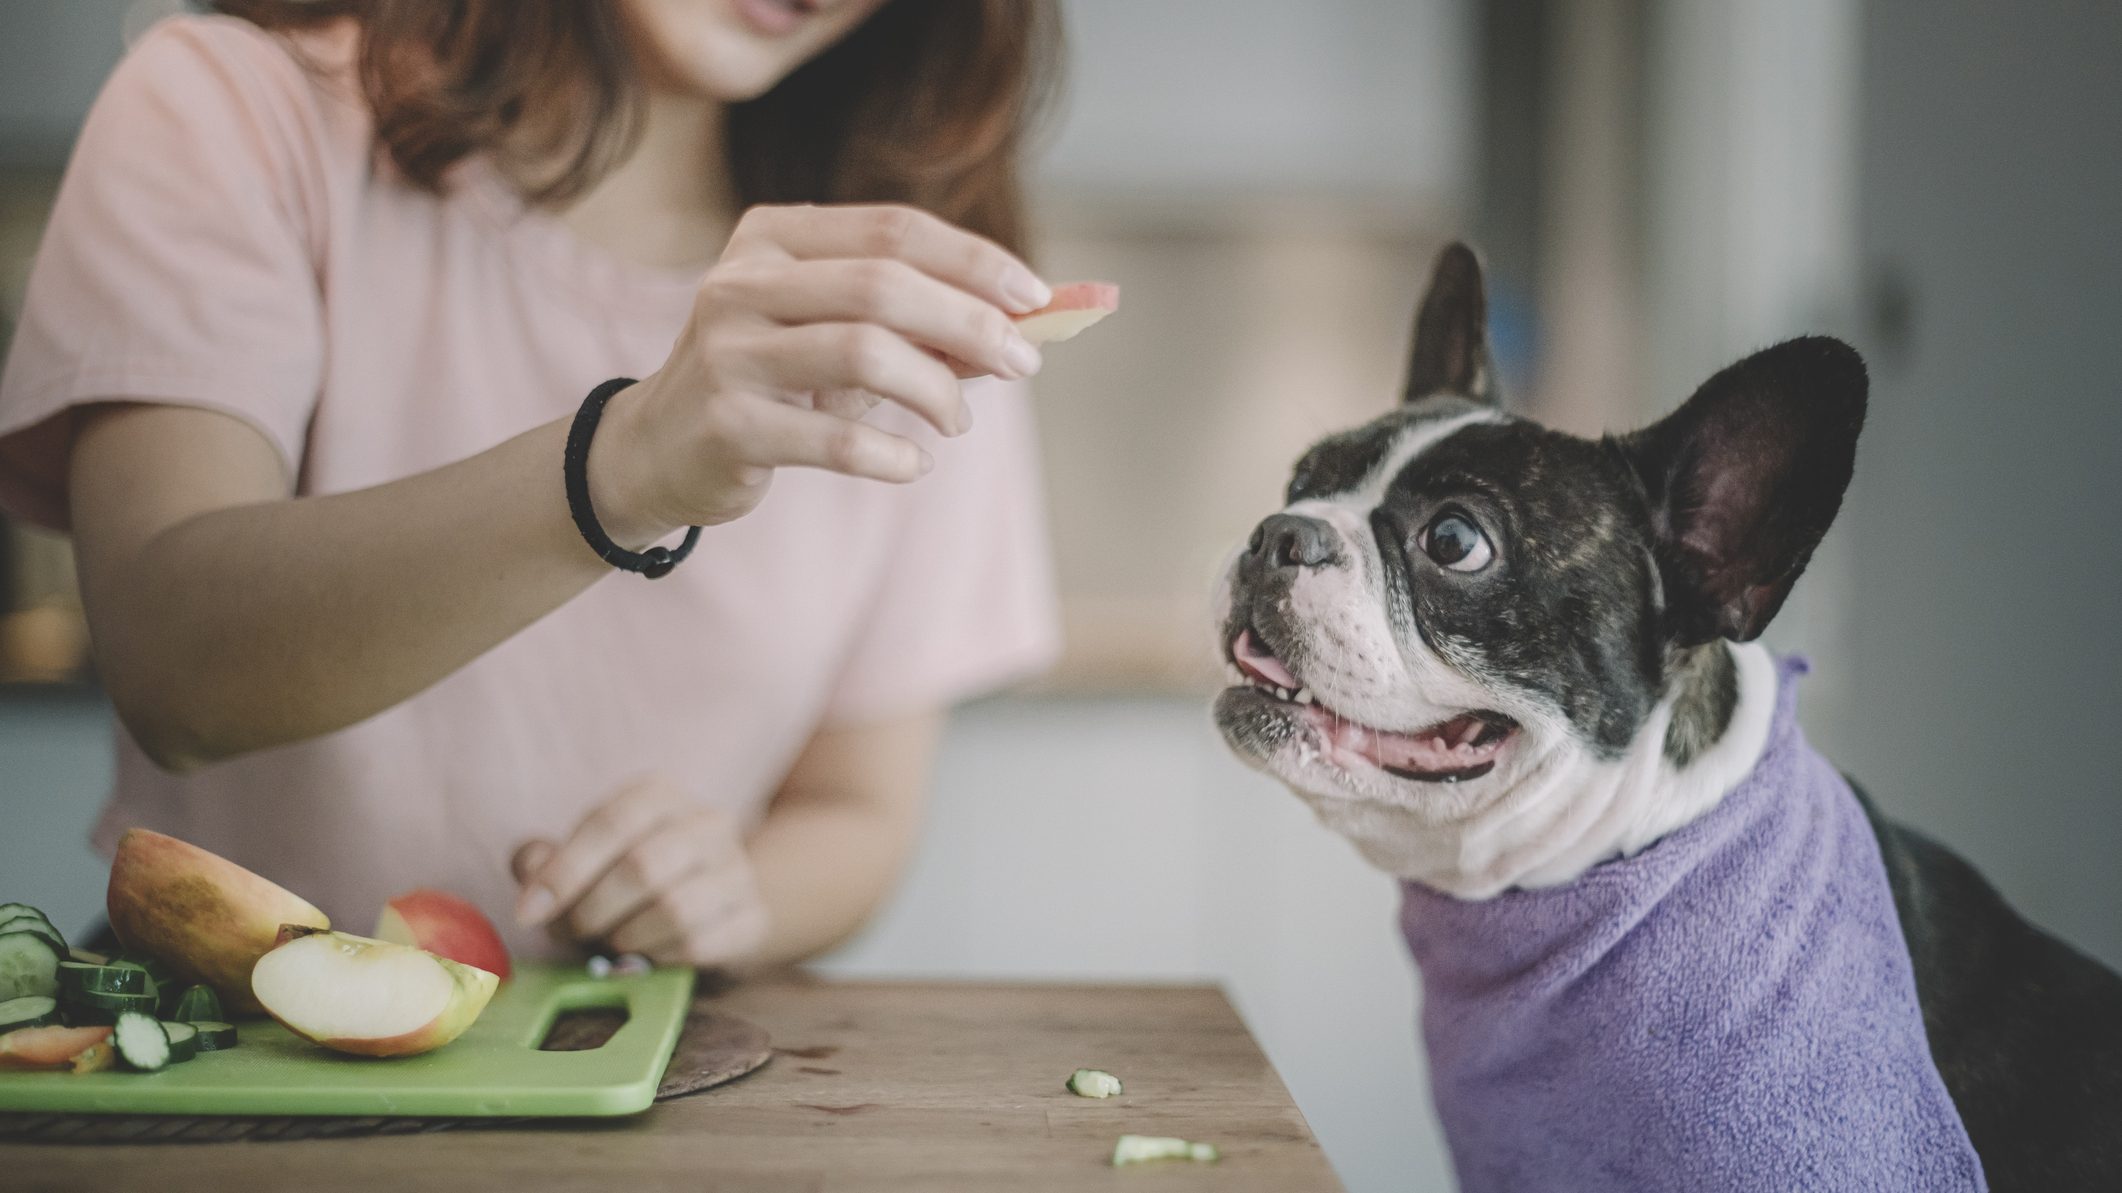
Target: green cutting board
column 495, row 1068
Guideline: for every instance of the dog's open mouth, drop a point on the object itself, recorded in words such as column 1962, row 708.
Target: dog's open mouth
column 1450, row 751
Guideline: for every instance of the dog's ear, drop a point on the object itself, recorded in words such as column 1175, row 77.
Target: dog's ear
column 1743, row 481
column 1451, row 332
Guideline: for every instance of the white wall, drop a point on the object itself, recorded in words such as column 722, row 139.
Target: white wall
column 1201, row 97
column 1988, row 663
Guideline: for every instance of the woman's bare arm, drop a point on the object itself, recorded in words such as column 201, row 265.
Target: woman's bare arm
column 838, row 834
column 228, row 616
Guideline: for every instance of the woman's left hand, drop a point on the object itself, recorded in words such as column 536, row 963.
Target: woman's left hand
column 649, row 871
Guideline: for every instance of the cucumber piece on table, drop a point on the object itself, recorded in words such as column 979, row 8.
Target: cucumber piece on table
column 34, row 1010
column 140, row 1041
column 29, row 965
column 183, row 1041
column 198, row 1004
column 1140, row 1149
column 78, row 978
column 1093, row 1083
column 215, row 1037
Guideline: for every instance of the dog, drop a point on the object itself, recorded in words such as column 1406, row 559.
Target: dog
column 1664, row 944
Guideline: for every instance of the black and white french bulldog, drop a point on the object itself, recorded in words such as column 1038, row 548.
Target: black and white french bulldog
column 1497, row 658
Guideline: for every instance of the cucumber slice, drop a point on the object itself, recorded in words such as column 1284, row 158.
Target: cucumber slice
column 77, row 978
column 88, row 1000
column 140, row 1041
column 183, row 1041
column 8, row 911
column 34, row 1010
column 1093, row 1083
column 29, row 965
column 197, row 1004
column 39, row 925
column 215, row 1037
column 28, row 915
column 158, row 975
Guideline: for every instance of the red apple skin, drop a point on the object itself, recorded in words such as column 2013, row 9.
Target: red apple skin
column 446, row 926
column 204, row 916
column 1080, row 296
column 475, row 988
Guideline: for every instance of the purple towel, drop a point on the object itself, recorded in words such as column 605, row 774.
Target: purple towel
column 1730, row 1009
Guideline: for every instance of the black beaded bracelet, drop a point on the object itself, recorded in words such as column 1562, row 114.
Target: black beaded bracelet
column 574, row 466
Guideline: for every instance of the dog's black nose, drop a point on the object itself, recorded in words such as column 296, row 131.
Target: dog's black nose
column 1289, row 541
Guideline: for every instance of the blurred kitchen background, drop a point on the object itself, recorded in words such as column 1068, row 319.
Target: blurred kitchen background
column 1659, row 186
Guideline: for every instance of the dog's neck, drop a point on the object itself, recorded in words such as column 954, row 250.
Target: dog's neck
column 1568, row 810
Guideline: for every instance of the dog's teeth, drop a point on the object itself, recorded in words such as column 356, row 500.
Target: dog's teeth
column 1304, row 695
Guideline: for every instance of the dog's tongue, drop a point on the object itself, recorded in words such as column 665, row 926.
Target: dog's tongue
column 1261, row 662
column 1439, row 749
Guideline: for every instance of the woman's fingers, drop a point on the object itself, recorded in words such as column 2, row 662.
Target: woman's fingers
column 711, row 918
column 892, row 295
column 971, row 263
column 599, row 841
column 864, row 356
column 653, row 863
column 844, row 403
column 529, row 857
column 770, row 434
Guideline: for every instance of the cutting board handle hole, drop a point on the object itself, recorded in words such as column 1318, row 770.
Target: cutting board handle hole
column 583, row 1029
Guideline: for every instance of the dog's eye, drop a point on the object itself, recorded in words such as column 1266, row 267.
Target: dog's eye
column 1453, row 541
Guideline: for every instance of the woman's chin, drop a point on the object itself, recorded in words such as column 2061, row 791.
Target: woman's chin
column 711, row 51
column 723, row 66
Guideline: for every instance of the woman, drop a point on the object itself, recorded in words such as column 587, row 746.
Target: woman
column 322, row 294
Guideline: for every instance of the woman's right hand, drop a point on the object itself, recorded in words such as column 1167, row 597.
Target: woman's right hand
column 811, row 315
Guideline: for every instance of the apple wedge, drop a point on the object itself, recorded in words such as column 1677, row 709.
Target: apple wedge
column 446, row 926
column 1076, row 306
column 47, row 1047
column 368, row 997
column 204, row 916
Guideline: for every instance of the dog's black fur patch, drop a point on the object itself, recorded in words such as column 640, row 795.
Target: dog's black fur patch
column 1705, row 689
column 1565, row 611
column 2025, row 1030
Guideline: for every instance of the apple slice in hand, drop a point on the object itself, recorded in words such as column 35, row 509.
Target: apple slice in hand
column 446, row 926
column 1076, row 306
column 368, row 997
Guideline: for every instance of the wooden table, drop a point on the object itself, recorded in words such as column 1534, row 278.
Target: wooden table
column 875, row 1086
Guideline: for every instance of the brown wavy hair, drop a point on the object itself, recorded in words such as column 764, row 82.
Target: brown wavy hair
column 927, row 102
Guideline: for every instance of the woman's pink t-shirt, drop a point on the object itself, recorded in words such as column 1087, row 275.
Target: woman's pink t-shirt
column 225, row 238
